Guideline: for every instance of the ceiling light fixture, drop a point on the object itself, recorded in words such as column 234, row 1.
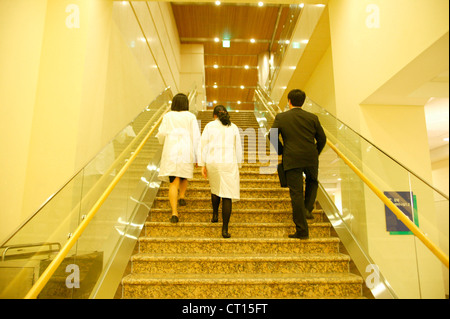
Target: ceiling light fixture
column 260, row 3
column 242, row 87
column 217, row 3
column 216, row 39
column 216, row 66
column 252, row 40
column 246, row 66
column 226, row 43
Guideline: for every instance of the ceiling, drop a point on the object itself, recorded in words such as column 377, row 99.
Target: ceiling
column 231, row 73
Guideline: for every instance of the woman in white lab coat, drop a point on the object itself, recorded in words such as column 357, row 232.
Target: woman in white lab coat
column 220, row 155
column 179, row 132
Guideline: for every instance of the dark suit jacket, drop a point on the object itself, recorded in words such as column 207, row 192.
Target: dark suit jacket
column 303, row 138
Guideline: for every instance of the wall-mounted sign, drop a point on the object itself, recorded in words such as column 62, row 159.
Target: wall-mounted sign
column 407, row 203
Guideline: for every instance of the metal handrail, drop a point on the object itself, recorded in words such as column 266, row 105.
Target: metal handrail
column 268, row 108
column 400, row 215
column 387, row 155
column 6, row 248
column 119, row 158
column 49, row 271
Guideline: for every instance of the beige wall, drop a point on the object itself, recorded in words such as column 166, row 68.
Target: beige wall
column 363, row 64
column 366, row 58
column 367, row 54
column 67, row 89
column 192, row 75
column 320, row 86
column 19, row 61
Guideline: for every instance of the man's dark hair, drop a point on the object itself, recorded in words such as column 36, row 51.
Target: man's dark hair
column 180, row 102
column 297, row 97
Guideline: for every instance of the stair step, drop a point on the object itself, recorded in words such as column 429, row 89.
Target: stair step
column 217, row 246
column 244, row 192
column 247, row 286
column 190, row 259
column 245, row 175
column 256, row 203
column 245, row 182
column 238, row 215
column 238, row 230
column 239, row 263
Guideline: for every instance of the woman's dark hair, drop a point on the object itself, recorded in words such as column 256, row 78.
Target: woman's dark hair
column 180, row 102
column 297, row 97
column 222, row 114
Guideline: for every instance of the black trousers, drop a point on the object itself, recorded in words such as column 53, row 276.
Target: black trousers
column 301, row 204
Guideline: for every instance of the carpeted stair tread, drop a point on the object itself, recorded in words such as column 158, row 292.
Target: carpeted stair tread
column 190, row 259
column 200, row 286
column 237, row 278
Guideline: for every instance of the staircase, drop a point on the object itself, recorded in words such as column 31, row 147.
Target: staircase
column 191, row 260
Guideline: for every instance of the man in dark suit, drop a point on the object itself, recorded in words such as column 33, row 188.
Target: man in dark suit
column 303, row 139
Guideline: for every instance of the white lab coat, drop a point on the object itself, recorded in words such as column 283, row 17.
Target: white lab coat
column 220, row 150
column 179, row 132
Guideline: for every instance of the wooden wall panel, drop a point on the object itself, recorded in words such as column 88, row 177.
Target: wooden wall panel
column 201, row 23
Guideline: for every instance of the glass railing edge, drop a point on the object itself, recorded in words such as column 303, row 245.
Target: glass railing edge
column 354, row 132
column 374, row 280
column 376, row 147
column 52, row 196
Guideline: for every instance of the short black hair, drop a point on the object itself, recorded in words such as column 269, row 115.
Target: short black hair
column 180, row 102
column 297, row 97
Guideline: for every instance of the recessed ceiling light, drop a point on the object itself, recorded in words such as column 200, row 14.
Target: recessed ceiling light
column 216, row 39
column 238, row 102
column 252, row 40
column 242, row 86
column 217, row 3
column 246, row 66
column 215, row 86
column 216, row 66
column 260, row 3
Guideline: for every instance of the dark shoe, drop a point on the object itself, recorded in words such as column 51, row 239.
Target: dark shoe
column 225, row 234
column 174, row 219
column 181, row 202
column 215, row 218
column 309, row 215
column 296, row 235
